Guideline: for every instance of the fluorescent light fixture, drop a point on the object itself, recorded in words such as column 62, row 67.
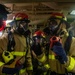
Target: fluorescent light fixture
column 72, row 12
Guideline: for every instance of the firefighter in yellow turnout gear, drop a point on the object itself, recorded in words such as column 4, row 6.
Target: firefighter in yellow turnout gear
column 15, row 55
column 61, row 52
column 38, row 46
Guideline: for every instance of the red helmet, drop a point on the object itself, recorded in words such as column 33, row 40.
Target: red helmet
column 61, row 17
column 39, row 33
column 21, row 16
column 39, row 37
column 58, row 15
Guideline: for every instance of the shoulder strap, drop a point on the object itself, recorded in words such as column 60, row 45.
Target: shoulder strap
column 11, row 42
column 68, row 43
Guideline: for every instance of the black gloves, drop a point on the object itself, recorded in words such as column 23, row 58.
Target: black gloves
column 37, row 49
column 60, row 52
column 11, row 70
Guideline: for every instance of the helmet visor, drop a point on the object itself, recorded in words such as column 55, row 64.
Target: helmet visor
column 39, row 40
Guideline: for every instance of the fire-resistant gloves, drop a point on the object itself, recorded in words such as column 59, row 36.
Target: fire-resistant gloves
column 60, row 52
column 37, row 49
column 12, row 70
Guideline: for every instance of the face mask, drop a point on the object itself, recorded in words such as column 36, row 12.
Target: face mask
column 39, row 42
column 24, row 25
column 22, row 28
column 52, row 26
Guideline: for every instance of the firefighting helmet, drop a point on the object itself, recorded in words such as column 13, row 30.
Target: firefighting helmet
column 21, row 22
column 61, row 17
column 39, row 38
column 58, row 16
column 55, row 21
column 21, row 17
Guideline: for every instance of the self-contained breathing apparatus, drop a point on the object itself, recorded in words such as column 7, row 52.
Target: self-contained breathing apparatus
column 7, row 55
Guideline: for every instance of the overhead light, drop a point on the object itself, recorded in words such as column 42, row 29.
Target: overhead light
column 0, row 33
column 72, row 12
column 8, row 21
